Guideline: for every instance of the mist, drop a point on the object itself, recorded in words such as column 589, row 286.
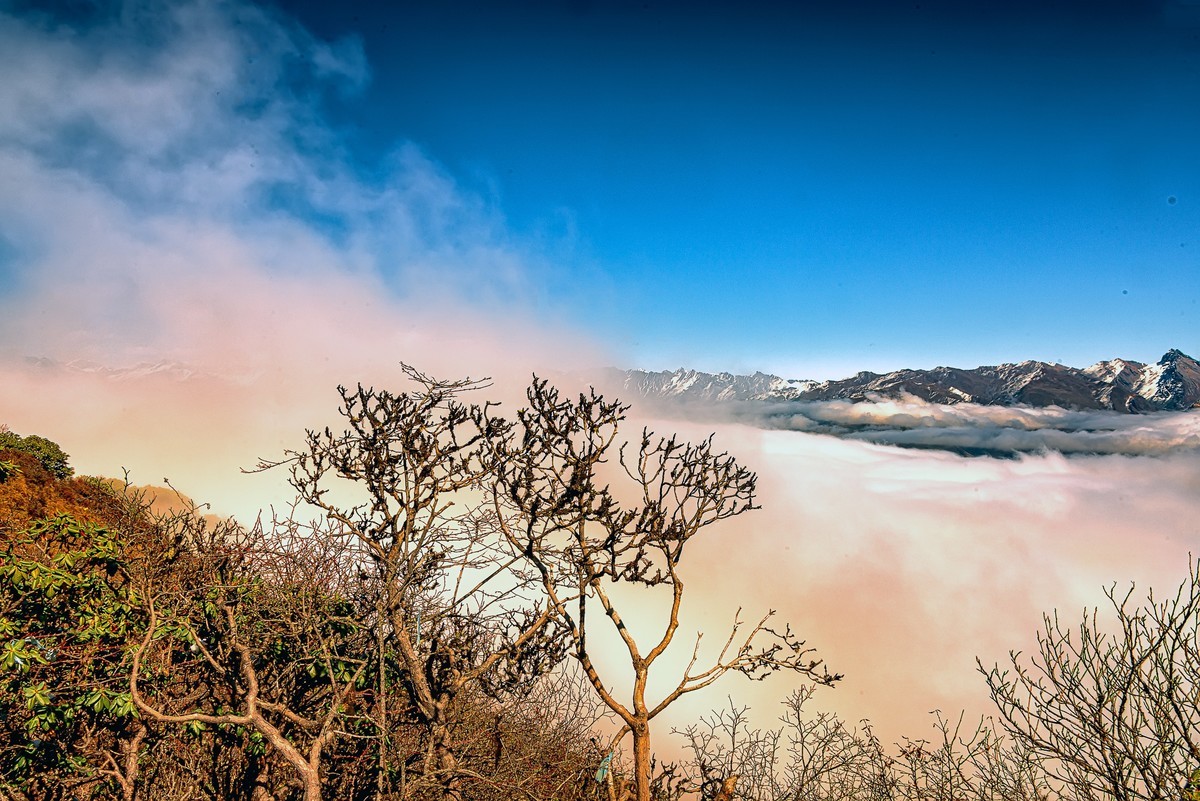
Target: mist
column 191, row 263
column 966, row 428
column 906, row 539
column 903, row 566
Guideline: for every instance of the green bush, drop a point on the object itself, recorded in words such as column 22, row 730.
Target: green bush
column 45, row 451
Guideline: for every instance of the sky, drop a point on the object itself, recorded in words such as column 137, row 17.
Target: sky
column 818, row 188
column 267, row 200
column 809, row 189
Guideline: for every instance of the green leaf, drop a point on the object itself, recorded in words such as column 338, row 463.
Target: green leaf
column 36, row 695
column 122, row 706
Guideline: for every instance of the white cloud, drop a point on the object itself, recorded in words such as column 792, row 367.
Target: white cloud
column 998, row 430
column 173, row 190
column 901, row 566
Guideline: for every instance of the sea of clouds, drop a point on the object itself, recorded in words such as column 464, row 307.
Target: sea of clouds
column 973, row 429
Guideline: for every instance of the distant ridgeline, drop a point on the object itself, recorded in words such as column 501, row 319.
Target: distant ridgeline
column 1173, row 384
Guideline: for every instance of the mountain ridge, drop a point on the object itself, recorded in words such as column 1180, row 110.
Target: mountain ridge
column 1124, row 385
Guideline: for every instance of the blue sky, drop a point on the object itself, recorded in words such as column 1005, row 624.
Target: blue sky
column 784, row 184
column 803, row 188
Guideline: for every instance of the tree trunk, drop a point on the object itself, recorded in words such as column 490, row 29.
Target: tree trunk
column 130, row 763
column 312, row 785
column 446, row 763
column 641, row 760
column 310, row 772
column 381, row 772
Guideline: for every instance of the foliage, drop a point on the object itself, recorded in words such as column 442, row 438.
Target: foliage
column 66, row 613
column 261, row 620
column 45, row 451
column 166, row 656
column 8, row 468
column 414, row 645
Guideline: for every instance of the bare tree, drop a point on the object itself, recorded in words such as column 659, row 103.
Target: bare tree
column 1111, row 715
column 537, row 745
column 828, row 759
column 395, row 648
column 819, row 757
column 808, row 757
column 723, row 745
column 1008, row 770
column 948, row 768
column 556, row 509
column 453, row 611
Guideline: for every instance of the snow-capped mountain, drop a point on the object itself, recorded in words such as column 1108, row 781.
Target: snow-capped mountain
column 694, row 385
column 1172, row 384
column 1118, row 384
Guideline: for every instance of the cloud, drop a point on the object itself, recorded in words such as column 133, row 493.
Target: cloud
column 973, row 429
column 902, row 566
column 173, row 189
column 175, row 193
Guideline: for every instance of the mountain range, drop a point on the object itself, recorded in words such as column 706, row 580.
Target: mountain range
column 1172, row 384
column 1123, row 385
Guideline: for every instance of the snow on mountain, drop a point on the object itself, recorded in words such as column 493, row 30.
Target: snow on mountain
column 1172, row 384
column 692, row 385
column 1118, row 384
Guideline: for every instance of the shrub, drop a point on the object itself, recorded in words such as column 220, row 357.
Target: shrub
column 45, row 451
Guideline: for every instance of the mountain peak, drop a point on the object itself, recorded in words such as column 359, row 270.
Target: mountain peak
column 1174, row 355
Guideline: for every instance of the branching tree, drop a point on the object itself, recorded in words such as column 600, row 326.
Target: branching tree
column 179, row 657
column 809, row 757
column 818, row 757
column 555, row 508
column 453, row 607
column 1112, row 715
column 947, row 767
column 723, row 745
column 825, row 759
